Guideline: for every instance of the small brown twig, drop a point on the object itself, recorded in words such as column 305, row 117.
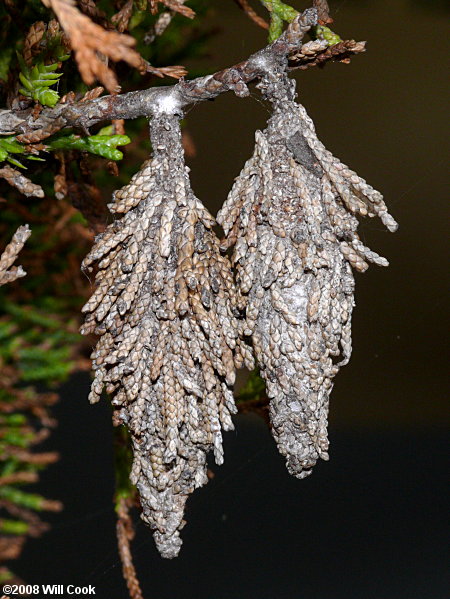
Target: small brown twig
column 11, row 547
column 178, row 6
column 32, row 39
column 89, row 8
column 41, row 459
column 340, row 52
column 252, row 14
column 125, row 534
column 18, row 477
column 8, row 272
column 22, row 183
column 122, row 18
column 323, row 11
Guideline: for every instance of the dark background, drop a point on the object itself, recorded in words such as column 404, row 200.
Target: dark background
column 371, row 522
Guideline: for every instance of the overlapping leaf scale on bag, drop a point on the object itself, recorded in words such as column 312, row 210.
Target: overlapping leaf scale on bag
column 291, row 219
column 165, row 310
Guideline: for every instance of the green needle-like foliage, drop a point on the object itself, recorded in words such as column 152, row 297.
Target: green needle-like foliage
column 34, row 348
column 37, row 81
column 8, row 146
column 103, row 144
column 13, row 527
column 40, row 349
column 31, row 501
column 281, row 12
column 5, row 575
column 322, row 32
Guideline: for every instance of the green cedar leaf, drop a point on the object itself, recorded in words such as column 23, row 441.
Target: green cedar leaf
column 15, row 162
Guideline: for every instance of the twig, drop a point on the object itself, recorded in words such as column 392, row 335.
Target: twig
column 22, row 183
column 252, row 14
column 32, row 458
column 18, row 477
column 338, row 53
column 178, row 6
column 33, row 38
column 88, row 39
column 323, row 11
column 122, row 18
column 155, row 100
column 125, row 535
column 11, row 547
column 35, row 525
column 164, row 20
column 8, row 274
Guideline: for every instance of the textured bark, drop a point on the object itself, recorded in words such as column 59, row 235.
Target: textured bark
column 151, row 102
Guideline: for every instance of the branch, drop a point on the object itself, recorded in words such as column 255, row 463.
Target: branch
column 8, row 272
column 153, row 101
column 173, row 99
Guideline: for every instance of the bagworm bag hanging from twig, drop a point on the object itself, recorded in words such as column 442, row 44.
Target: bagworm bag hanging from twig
column 291, row 218
column 165, row 310
column 171, row 322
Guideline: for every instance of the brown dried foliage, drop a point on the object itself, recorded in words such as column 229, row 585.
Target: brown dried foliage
column 340, row 52
column 30, row 136
column 8, row 272
column 178, row 6
column 122, row 18
column 175, row 71
column 323, row 11
column 92, row 94
column 89, row 7
column 34, row 36
column 163, row 21
column 22, row 183
column 93, row 45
